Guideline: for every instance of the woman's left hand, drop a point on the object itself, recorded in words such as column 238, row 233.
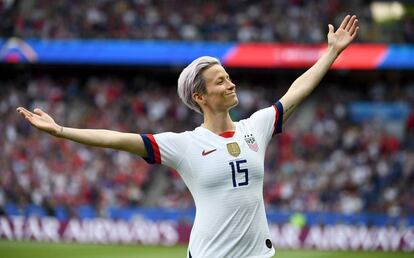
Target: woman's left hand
column 338, row 40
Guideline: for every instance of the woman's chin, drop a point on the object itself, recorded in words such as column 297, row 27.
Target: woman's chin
column 235, row 102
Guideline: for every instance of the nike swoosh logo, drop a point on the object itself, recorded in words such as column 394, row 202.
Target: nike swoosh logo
column 204, row 153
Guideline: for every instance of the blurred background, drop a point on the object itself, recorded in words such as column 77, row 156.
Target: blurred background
column 340, row 176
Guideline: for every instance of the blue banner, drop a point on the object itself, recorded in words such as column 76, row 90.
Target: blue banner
column 179, row 53
column 399, row 57
column 360, row 111
column 108, row 52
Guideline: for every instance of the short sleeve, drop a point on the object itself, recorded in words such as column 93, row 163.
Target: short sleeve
column 268, row 121
column 165, row 148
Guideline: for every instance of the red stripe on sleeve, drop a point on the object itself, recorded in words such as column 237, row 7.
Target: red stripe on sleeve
column 154, row 144
column 276, row 118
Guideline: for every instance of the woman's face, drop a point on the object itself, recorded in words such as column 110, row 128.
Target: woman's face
column 221, row 91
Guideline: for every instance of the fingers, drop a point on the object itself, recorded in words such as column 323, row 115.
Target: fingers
column 24, row 112
column 345, row 22
column 350, row 23
column 354, row 28
column 355, row 32
column 331, row 28
column 38, row 111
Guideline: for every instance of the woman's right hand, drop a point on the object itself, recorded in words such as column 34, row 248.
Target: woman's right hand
column 40, row 120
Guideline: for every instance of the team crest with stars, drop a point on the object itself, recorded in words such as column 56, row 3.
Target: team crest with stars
column 251, row 142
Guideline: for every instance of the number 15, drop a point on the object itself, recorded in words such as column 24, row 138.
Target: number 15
column 236, row 167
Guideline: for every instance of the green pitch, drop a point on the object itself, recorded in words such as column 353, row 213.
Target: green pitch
column 10, row 249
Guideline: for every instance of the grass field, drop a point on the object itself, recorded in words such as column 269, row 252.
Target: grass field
column 10, row 249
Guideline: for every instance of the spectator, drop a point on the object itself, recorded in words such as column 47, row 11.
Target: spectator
column 225, row 20
column 338, row 165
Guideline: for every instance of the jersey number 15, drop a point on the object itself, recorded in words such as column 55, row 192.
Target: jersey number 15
column 235, row 167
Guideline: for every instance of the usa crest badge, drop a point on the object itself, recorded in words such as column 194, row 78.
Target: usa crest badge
column 251, row 142
column 233, row 148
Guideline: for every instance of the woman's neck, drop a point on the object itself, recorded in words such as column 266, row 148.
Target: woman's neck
column 218, row 123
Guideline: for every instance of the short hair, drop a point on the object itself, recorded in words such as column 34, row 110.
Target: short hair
column 191, row 81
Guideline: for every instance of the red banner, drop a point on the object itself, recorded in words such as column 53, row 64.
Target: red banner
column 261, row 55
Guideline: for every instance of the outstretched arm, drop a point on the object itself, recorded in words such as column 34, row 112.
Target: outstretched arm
column 95, row 137
column 337, row 41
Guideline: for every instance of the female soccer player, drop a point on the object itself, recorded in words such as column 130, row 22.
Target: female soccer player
column 221, row 161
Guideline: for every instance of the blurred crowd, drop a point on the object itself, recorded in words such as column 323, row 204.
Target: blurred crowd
column 321, row 162
column 296, row 21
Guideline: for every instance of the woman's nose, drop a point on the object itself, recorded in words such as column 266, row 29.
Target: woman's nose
column 231, row 85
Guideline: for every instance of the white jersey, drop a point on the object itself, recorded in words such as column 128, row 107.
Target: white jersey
column 225, row 178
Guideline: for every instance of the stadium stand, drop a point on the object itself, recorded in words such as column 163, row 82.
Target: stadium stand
column 296, row 21
column 325, row 161
column 346, row 158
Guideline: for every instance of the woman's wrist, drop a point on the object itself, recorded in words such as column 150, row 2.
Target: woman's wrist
column 333, row 51
column 59, row 131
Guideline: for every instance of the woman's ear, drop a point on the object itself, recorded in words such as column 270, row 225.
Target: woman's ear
column 198, row 98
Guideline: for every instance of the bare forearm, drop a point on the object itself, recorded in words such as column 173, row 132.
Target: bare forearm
column 337, row 41
column 94, row 137
column 308, row 81
column 104, row 138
